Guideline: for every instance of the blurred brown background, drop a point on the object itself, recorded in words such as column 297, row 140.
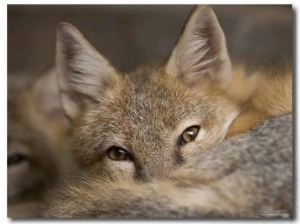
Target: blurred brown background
column 131, row 35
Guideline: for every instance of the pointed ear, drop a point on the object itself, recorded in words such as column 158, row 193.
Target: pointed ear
column 45, row 94
column 201, row 54
column 44, row 106
column 83, row 73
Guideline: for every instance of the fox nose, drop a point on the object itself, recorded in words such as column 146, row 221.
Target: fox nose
column 156, row 170
column 154, row 156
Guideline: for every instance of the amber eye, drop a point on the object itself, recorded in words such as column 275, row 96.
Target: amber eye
column 15, row 159
column 119, row 154
column 189, row 134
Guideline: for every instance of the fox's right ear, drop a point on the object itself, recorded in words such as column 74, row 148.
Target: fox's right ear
column 83, row 73
column 200, row 55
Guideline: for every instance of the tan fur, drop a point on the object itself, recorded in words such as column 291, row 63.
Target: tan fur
column 145, row 113
column 37, row 133
column 44, row 112
column 261, row 95
column 247, row 176
column 139, row 112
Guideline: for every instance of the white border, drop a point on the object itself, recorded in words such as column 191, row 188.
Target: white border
column 3, row 89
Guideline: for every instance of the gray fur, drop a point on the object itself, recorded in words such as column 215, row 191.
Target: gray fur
column 248, row 176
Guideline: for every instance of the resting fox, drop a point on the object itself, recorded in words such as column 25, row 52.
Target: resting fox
column 147, row 123
column 36, row 156
column 142, row 126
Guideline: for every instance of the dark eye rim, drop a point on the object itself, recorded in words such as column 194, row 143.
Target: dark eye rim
column 129, row 156
column 16, row 158
column 180, row 139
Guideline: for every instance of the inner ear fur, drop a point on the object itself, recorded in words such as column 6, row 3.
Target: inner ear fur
column 200, row 54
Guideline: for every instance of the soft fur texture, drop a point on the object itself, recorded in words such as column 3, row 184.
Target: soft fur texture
column 37, row 137
column 145, row 113
column 248, row 176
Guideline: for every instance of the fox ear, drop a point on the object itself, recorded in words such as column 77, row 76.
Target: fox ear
column 45, row 94
column 201, row 53
column 46, row 106
column 83, row 72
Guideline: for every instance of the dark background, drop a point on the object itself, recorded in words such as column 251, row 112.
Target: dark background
column 131, row 35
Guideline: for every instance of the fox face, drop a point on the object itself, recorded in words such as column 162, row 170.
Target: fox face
column 146, row 123
column 36, row 130
column 27, row 169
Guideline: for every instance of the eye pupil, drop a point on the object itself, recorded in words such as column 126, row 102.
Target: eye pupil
column 117, row 153
column 189, row 135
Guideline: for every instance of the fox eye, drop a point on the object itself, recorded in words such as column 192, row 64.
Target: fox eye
column 189, row 134
column 118, row 153
column 15, row 159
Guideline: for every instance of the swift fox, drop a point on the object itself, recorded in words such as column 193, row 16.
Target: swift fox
column 146, row 140
column 147, row 123
column 247, row 176
column 37, row 129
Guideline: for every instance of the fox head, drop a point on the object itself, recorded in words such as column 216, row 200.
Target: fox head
column 145, row 123
column 36, row 130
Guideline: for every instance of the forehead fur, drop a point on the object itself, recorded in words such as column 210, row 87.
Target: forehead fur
column 141, row 112
column 150, row 96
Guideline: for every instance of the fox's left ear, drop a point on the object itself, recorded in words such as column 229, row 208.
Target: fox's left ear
column 201, row 54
